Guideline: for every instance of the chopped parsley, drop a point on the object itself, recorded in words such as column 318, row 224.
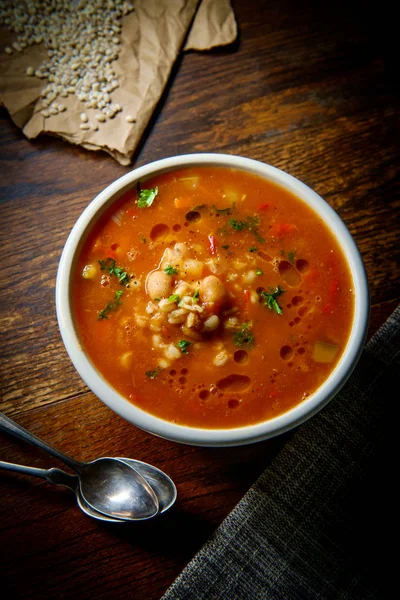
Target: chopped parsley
column 175, row 298
column 103, row 314
column 143, row 240
column 237, row 225
column 196, row 296
column 152, row 374
column 146, row 197
column 110, row 265
column 270, row 299
column 243, row 337
column 251, row 223
column 225, row 246
column 253, row 249
column 183, row 345
column 170, row 270
column 259, row 272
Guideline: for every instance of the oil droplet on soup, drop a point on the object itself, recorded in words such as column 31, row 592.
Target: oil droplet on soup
column 209, row 306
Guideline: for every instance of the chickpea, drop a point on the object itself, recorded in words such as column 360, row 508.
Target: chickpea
column 212, row 289
column 159, row 285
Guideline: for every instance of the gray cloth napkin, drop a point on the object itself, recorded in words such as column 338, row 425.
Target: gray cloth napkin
column 317, row 524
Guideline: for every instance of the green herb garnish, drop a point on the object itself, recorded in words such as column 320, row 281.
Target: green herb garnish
column 244, row 337
column 291, row 256
column 225, row 246
column 174, row 298
column 170, row 270
column 196, row 296
column 183, row 346
column 143, row 240
column 146, row 197
column 251, row 223
column 270, row 299
column 253, row 249
column 259, row 272
column 103, row 314
column 237, row 225
column 152, row 374
column 110, row 265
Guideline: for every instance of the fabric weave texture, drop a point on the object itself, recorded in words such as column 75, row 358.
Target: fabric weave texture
column 316, row 523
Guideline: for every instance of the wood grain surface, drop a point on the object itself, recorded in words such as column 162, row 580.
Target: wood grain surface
column 310, row 88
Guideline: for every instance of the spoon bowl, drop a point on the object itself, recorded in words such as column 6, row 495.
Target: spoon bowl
column 116, row 489
column 163, row 487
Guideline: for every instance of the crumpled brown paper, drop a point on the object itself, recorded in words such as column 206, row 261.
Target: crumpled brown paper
column 152, row 37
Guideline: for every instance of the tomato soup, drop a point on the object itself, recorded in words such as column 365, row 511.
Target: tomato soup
column 213, row 298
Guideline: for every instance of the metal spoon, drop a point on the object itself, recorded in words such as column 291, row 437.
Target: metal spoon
column 161, row 483
column 108, row 485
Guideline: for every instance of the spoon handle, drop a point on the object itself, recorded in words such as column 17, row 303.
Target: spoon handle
column 9, row 426
column 56, row 476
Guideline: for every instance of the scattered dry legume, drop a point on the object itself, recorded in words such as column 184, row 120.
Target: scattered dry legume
column 82, row 42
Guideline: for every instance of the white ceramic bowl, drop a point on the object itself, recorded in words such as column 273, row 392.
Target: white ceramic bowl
column 191, row 435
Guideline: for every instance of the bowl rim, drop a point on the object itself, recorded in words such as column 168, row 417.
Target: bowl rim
column 194, row 435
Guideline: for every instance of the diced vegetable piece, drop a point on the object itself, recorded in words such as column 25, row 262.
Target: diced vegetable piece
column 171, row 352
column 183, row 202
column 190, row 180
column 212, row 245
column 89, row 271
column 231, row 195
column 324, row 352
column 193, row 268
column 125, row 359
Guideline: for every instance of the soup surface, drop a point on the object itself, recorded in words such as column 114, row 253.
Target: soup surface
column 213, row 298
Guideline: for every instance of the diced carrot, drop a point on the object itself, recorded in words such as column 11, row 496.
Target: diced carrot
column 183, row 202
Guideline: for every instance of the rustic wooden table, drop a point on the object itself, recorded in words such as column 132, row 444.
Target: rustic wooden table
column 309, row 89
